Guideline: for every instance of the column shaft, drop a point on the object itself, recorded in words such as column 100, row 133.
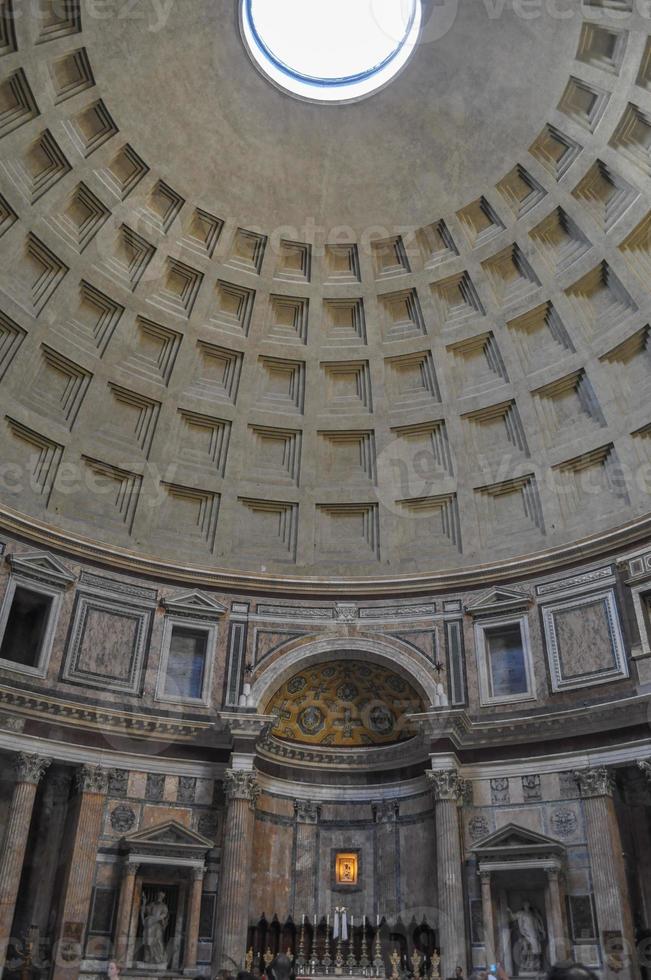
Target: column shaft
column 555, row 924
column 235, row 872
column 452, row 930
column 307, row 816
column 29, row 771
column 609, row 882
column 77, row 892
column 488, row 917
column 192, row 931
column 125, row 907
column 386, row 814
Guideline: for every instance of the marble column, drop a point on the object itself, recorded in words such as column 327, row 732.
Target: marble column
column 52, row 818
column 125, row 911
column 29, row 770
column 609, row 883
column 194, row 915
column 488, row 916
column 307, row 821
column 447, row 788
column 558, row 939
column 386, row 820
column 241, row 791
column 92, row 786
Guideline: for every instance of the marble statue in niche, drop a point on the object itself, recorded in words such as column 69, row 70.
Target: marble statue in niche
column 155, row 916
column 528, row 940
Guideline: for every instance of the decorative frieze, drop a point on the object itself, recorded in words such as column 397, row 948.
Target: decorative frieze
column 575, row 583
column 531, row 789
column 92, row 779
column 187, row 789
column 500, row 790
column 155, row 787
column 118, row 782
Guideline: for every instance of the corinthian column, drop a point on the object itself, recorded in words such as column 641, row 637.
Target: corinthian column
column 29, row 770
column 92, row 786
column 307, row 820
column 241, row 791
column 609, row 883
column 447, row 787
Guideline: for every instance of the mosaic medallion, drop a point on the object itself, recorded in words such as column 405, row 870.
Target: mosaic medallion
column 310, row 720
column 296, row 685
column 347, row 692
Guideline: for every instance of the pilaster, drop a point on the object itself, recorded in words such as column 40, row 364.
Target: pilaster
column 608, row 872
column 92, row 786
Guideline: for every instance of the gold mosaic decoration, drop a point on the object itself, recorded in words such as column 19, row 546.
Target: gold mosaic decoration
column 344, row 703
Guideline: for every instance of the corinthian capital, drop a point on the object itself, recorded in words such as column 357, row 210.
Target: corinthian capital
column 446, row 784
column 645, row 768
column 595, row 782
column 30, row 768
column 92, row 779
column 306, row 811
column 241, row 784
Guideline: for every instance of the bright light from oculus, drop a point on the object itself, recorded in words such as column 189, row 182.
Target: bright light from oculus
column 331, row 50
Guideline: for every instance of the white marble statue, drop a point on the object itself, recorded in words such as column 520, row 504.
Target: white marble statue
column 528, row 947
column 155, row 916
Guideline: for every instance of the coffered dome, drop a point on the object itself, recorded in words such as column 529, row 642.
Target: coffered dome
column 249, row 333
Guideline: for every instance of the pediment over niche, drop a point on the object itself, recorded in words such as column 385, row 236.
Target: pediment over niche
column 194, row 603
column 169, row 839
column 518, row 845
column 42, row 566
column 499, row 600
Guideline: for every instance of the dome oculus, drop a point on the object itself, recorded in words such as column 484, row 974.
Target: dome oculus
column 330, row 50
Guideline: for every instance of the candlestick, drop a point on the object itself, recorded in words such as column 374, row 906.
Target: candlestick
column 378, row 961
column 364, row 961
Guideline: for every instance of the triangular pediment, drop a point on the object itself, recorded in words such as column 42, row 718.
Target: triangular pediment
column 43, row 566
column 514, row 837
column 499, row 600
column 171, row 834
column 194, row 603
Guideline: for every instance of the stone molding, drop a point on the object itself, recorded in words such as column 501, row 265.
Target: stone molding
column 595, row 782
column 306, row 811
column 92, row 779
column 79, row 714
column 127, row 562
column 446, row 785
column 41, row 566
column 241, row 784
column 30, row 768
